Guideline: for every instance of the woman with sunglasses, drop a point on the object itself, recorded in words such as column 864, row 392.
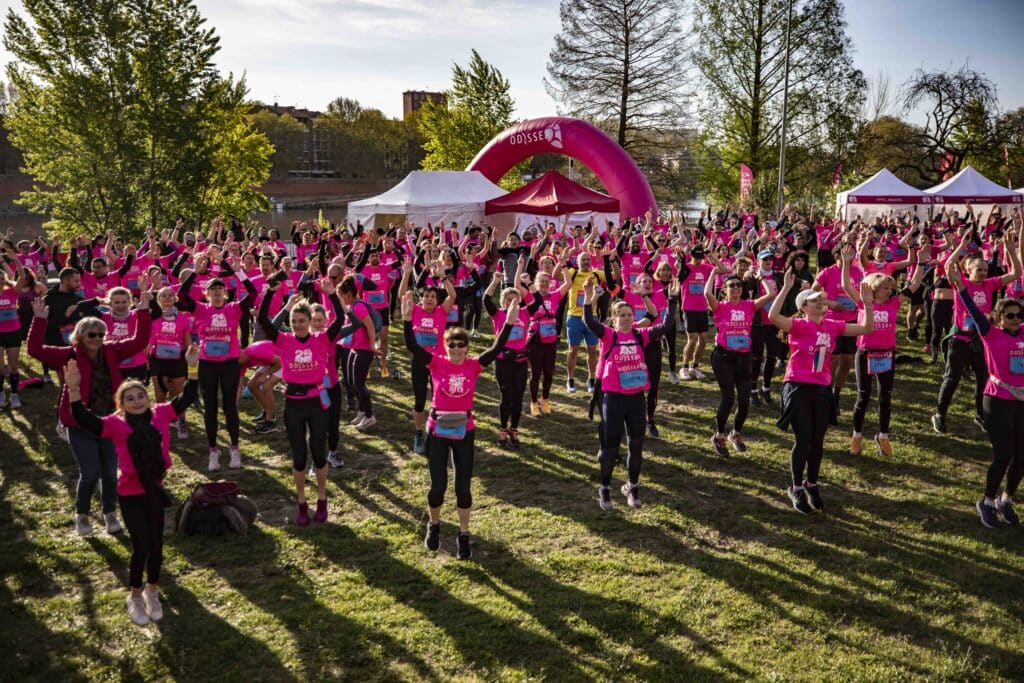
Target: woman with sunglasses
column 734, row 320
column 450, row 429
column 99, row 363
column 806, row 398
column 623, row 380
column 1003, row 402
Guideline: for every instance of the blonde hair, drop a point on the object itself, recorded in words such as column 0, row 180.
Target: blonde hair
column 86, row 325
column 507, row 292
column 876, row 280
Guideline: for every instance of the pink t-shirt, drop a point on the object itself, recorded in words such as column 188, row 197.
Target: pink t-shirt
column 982, row 293
column 1004, row 354
column 9, row 321
column 428, row 328
column 95, row 287
column 810, row 347
column 544, row 324
column 217, row 329
column 378, row 275
column 260, row 353
column 517, row 337
column 118, row 430
column 170, row 336
column 633, row 265
column 124, row 328
column 831, row 280
column 304, row 362
column 360, row 339
column 732, row 323
column 454, row 385
column 885, row 315
column 693, row 287
column 623, row 366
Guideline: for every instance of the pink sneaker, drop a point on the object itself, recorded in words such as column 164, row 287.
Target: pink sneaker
column 303, row 517
column 320, row 516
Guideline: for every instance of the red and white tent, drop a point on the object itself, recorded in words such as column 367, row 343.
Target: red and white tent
column 970, row 186
column 555, row 195
column 878, row 194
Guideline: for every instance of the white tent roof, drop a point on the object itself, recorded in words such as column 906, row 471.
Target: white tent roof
column 881, row 188
column 970, row 186
column 428, row 196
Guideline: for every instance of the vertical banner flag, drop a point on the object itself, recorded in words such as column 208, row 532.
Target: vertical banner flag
column 836, row 176
column 746, row 181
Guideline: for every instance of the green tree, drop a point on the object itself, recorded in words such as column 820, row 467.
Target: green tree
column 122, row 118
column 479, row 107
column 286, row 134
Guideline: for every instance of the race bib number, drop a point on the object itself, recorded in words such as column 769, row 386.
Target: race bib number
column 633, row 277
column 426, row 339
column 375, row 297
column 879, row 363
column 1017, row 365
column 8, row 314
column 453, row 432
column 846, row 303
column 695, row 288
column 516, row 334
column 737, row 342
column 453, row 315
column 216, row 349
column 580, row 296
column 634, row 379
column 548, row 330
column 638, row 314
column 168, row 351
column 969, row 323
column 132, row 284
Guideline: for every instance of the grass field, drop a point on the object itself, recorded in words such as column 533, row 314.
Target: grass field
column 715, row 578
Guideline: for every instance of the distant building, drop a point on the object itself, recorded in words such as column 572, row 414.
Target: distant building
column 315, row 159
column 412, row 100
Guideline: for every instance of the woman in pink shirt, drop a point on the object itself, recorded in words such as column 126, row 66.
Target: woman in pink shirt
column 806, row 398
column 11, row 332
column 450, row 429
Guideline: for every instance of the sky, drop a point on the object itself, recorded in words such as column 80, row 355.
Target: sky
column 307, row 53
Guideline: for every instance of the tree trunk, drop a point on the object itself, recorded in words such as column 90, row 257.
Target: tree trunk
column 624, row 98
column 755, row 100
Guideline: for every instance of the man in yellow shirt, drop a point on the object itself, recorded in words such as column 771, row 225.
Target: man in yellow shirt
column 576, row 330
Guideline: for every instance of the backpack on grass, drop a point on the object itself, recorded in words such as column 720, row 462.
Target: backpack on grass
column 216, row 508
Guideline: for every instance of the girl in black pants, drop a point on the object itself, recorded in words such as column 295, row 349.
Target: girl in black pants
column 450, row 427
column 624, row 378
column 140, row 432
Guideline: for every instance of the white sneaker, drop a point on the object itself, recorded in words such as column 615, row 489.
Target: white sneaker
column 698, row 374
column 137, row 610
column 113, row 526
column 358, row 418
column 182, row 430
column 82, row 525
column 3, row 399
column 673, row 377
column 214, row 460
column 334, row 460
column 236, row 458
column 153, row 606
column 15, row 402
column 366, row 423
column 684, row 374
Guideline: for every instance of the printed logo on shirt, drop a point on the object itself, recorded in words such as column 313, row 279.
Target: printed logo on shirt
column 824, row 339
column 456, row 385
column 120, row 330
column 168, row 327
column 303, row 356
column 738, row 316
column 219, row 320
column 881, row 317
column 980, row 298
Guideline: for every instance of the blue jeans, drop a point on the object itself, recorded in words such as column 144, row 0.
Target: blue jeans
column 97, row 461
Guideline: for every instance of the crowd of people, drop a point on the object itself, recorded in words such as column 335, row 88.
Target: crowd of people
column 138, row 333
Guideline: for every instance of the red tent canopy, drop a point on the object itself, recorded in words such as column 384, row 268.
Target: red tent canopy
column 552, row 195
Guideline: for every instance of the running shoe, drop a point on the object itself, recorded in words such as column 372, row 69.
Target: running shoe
column 113, row 526
column 604, row 497
column 320, row 516
column 334, row 460
column 265, row 427
column 15, row 402
column 1005, row 508
column 987, row 513
column 718, row 443
column 673, row 377
column 534, row 409
column 3, row 399
column 939, row 424
column 432, row 541
column 766, row 396
column 545, row 406
column 513, row 438
column 632, row 494
column 464, row 550
column 798, row 497
column 856, row 447
column 82, row 525
column 737, row 442
column 503, row 438
column 419, row 443
column 884, row 445
column 685, row 375
column 473, row 334
column 154, row 609
column 302, row 518
column 755, row 398
column 591, row 385
column 137, row 610
column 358, row 418
column 214, row 465
column 366, row 423
column 979, row 421
column 652, row 429
column 697, row 373
column 182, row 429
column 570, row 386
column 912, row 334
column 814, row 496
column 235, row 462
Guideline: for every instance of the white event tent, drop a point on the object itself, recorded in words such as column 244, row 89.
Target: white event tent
column 878, row 194
column 971, row 186
column 428, row 197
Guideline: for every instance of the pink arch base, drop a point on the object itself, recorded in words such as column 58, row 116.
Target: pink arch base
column 579, row 140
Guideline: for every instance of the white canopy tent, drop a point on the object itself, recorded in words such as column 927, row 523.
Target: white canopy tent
column 877, row 195
column 428, row 197
column 971, row 186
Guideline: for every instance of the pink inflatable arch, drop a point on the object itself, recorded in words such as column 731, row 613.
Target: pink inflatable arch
column 579, row 140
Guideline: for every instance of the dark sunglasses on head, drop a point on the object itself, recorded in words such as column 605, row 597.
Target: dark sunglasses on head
column 457, row 345
column 95, row 335
column 1013, row 316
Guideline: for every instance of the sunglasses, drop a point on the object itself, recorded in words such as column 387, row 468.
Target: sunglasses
column 1013, row 316
column 457, row 345
column 95, row 335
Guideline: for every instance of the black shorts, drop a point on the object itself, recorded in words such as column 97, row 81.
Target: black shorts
column 917, row 298
column 171, row 369
column 10, row 340
column 385, row 316
column 695, row 321
column 846, row 345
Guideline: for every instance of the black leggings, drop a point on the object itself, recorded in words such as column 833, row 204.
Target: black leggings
column 302, row 417
column 942, row 320
column 420, row 377
column 222, row 374
column 958, row 358
column 652, row 356
column 886, row 380
column 622, row 414
column 460, row 452
column 811, row 412
column 668, row 345
column 542, row 363
column 341, row 360
column 334, row 417
column 766, row 346
column 144, row 517
column 733, row 372
column 357, row 368
column 1004, row 420
column 511, row 377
